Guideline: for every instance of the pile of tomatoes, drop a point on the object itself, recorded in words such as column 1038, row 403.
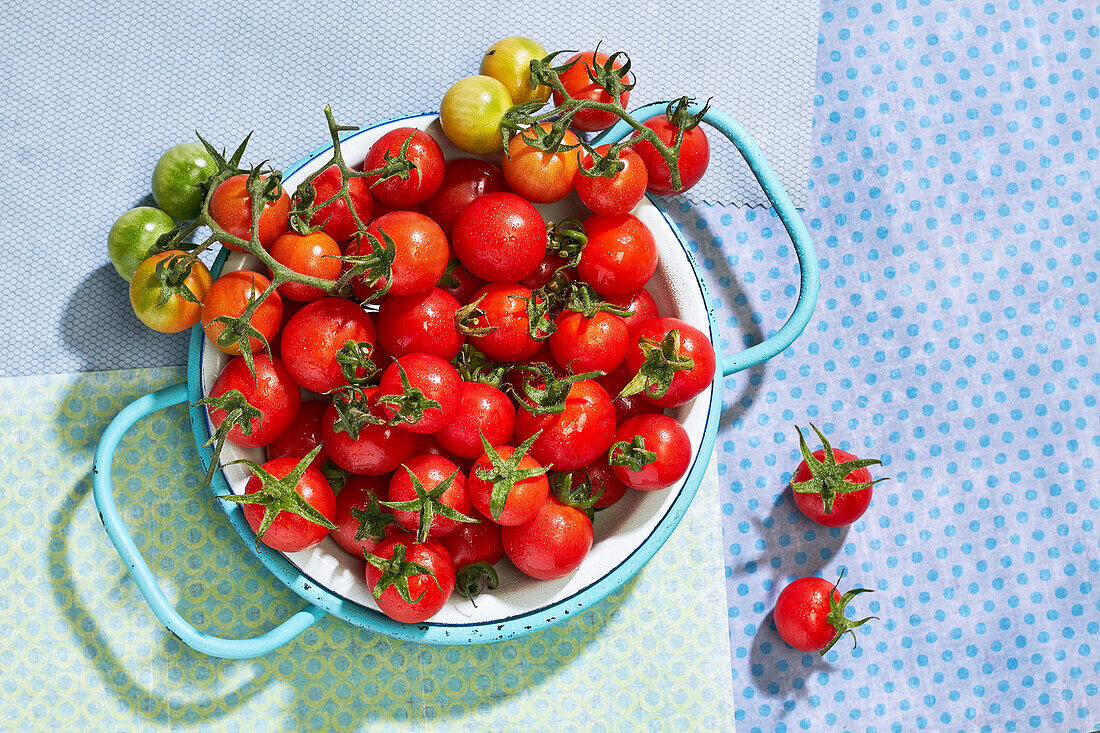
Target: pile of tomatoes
column 503, row 381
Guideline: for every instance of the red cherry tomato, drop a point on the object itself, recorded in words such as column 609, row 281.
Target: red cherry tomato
column 483, row 410
column 376, row 450
column 313, row 337
column 292, row 532
column 692, row 163
column 381, row 208
column 631, row 405
column 358, row 492
column 273, row 392
column 809, row 614
column 434, row 378
column 428, row 593
column 472, row 543
column 574, row 438
column 231, row 209
column 551, row 545
column 540, row 176
column 458, row 281
column 421, row 253
column 665, row 437
column 424, row 323
column 301, row 436
column 229, row 296
column 694, row 345
column 641, row 303
column 500, row 237
column 308, row 254
column 422, row 181
column 505, row 308
column 336, row 218
column 582, row 344
column 579, row 84
column 620, row 257
column 464, row 179
column 603, row 478
column 544, row 273
column 616, row 195
column 524, row 497
column 430, row 471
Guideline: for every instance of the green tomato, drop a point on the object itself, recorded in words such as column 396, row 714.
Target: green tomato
column 471, row 113
column 509, row 62
column 132, row 236
column 177, row 177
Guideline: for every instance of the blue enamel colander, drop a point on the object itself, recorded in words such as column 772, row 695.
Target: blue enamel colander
column 627, row 535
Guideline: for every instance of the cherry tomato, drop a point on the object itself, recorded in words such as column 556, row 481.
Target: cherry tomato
column 692, row 163
column 505, row 308
column 132, row 236
column 540, row 176
column 301, row 436
column 358, row 493
column 574, row 438
column 524, row 497
column 376, row 449
column 177, row 313
column 231, row 209
column 430, row 471
column 335, row 218
column 314, row 336
column 661, row 435
column 482, row 410
column 307, row 254
column 631, row 405
column 547, row 269
column 422, row 181
column 433, row 378
column 229, row 296
column 472, row 543
column 428, row 593
column 694, row 345
column 621, row 254
column 273, row 393
column 500, row 237
column 471, row 111
column 509, row 62
column 381, row 208
column 616, row 195
column 641, row 303
column 464, row 179
column 833, row 488
column 519, row 377
column 809, row 614
column 551, row 545
column 292, row 532
column 582, row 344
column 421, row 252
column 424, row 322
column 458, row 281
column 579, row 84
column 603, row 479
column 177, row 179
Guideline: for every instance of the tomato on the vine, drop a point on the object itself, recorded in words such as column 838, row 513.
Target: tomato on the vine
column 272, row 392
column 539, row 176
column 509, row 62
column 229, row 296
column 650, row 452
column 471, row 111
column 395, row 574
column 422, row 181
column 464, row 179
column 177, row 312
column 578, row 82
column 315, row 255
column 132, row 236
column 500, row 237
column 663, row 346
column 231, row 209
column 552, row 544
column 618, row 194
column 692, row 162
column 621, row 254
column 809, row 614
column 424, row 322
column 335, row 218
column 178, row 177
column 832, row 486
column 326, row 341
column 420, row 252
column 290, row 531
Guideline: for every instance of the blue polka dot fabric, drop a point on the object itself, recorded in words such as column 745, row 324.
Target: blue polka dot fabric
column 954, row 202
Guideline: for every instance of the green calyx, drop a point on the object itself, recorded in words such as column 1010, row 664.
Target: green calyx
column 239, row 414
column 577, row 494
column 567, row 238
column 474, row 579
column 429, row 503
column 505, row 474
column 540, row 326
column 396, row 572
column 474, row 366
column 838, row 620
column 409, row 406
column 372, row 521
column 545, row 394
column 632, row 455
column 172, row 273
column 584, row 300
column 469, row 318
column 353, row 358
column 662, row 359
column 827, row 477
column 353, row 411
column 375, row 266
column 280, row 495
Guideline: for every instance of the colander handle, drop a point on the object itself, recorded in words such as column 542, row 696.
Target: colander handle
column 139, row 570
column 784, row 207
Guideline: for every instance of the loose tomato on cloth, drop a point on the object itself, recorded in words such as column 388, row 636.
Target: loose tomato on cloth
column 483, row 410
column 832, row 486
column 809, row 614
column 428, row 497
column 421, row 150
column 498, row 322
column 464, row 179
column 365, row 447
column 228, row 297
column 419, row 393
column 650, row 452
column 507, row 485
column 410, row 581
column 671, row 360
column 471, row 111
column 537, row 175
column 361, row 520
column 132, row 236
column 552, row 544
column 578, row 82
column 574, row 437
column 500, row 237
column 302, row 435
column 335, row 218
column 178, row 177
column 327, row 343
column 618, row 194
column 182, row 284
column 231, row 209
column 692, row 162
column 424, row 322
column 315, row 255
column 288, row 504
column 620, row 257
column 270, row 400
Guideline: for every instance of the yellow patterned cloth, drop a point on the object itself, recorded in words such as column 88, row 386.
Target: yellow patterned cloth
column 79, row 649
